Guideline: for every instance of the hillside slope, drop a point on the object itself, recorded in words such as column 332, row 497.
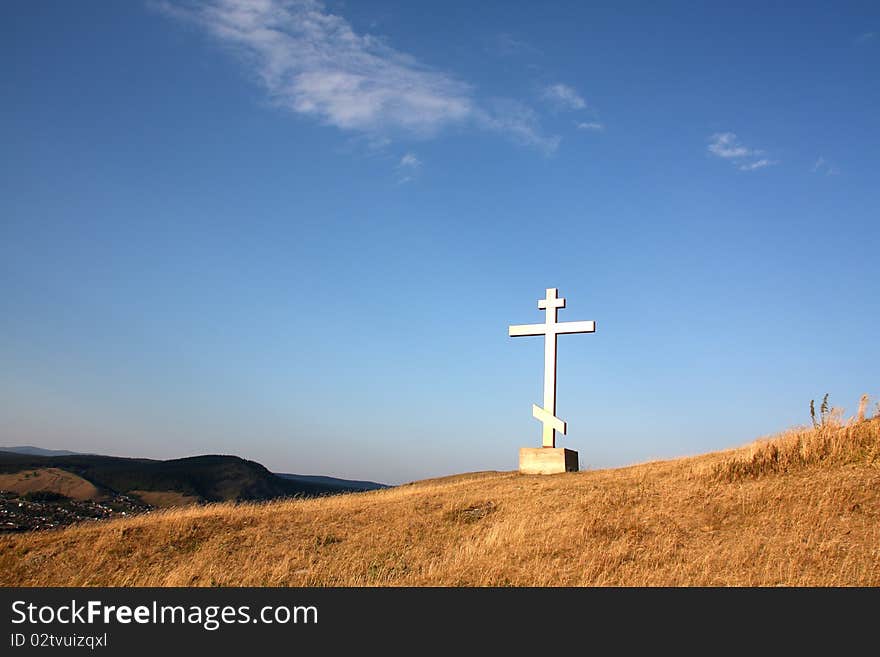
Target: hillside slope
column 802, row 509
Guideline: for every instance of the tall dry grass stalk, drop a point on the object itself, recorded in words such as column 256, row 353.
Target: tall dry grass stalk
column 832, row 442
column 863, row 405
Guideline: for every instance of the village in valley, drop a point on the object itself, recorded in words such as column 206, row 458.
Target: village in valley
column 48, row 510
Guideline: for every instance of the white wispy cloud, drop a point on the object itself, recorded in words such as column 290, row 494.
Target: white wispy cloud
column 727, row 146
column 590, row 125
column 865, row 37
column 565, row 96
column 408, row 168
column 517, row 121
column 824, row 166
column 505, row 45
column 758, row 164
column 313, row 63
column 410, row 161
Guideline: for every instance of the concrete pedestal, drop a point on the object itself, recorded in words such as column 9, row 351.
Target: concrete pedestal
column 547, row 460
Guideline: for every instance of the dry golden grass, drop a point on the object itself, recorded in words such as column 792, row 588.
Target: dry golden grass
column 800, row 510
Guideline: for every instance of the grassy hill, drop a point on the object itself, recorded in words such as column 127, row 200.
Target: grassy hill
column 49, row 480
column 802, row 508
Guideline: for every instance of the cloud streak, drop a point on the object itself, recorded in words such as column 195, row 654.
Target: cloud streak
column 407, row 168
column 517, row 121
column 311, row 62
column 564, row 96
column 409, row 160
column 758, row 164
column 727, row 146
column 506, row 45
column 824, row 166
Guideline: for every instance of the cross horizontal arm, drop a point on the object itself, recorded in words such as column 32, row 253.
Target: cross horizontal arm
column 575, row 327
column 526, row 329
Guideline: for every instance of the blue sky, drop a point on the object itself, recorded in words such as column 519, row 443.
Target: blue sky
column 297, row 232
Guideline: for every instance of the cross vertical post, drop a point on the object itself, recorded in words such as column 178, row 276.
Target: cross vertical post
column 551, row 305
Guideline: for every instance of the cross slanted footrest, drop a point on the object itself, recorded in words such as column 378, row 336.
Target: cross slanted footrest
column 548, row 419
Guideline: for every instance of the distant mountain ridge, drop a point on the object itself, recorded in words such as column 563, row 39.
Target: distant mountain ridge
column 319, row 481
column 38, row 451
column 352, row 484
column 207, row 478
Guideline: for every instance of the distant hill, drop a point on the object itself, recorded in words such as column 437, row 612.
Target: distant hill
column 346, row 484
column 210, row 478
column 38, row 451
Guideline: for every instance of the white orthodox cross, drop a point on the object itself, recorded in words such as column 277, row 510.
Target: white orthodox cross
column 550, row 329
